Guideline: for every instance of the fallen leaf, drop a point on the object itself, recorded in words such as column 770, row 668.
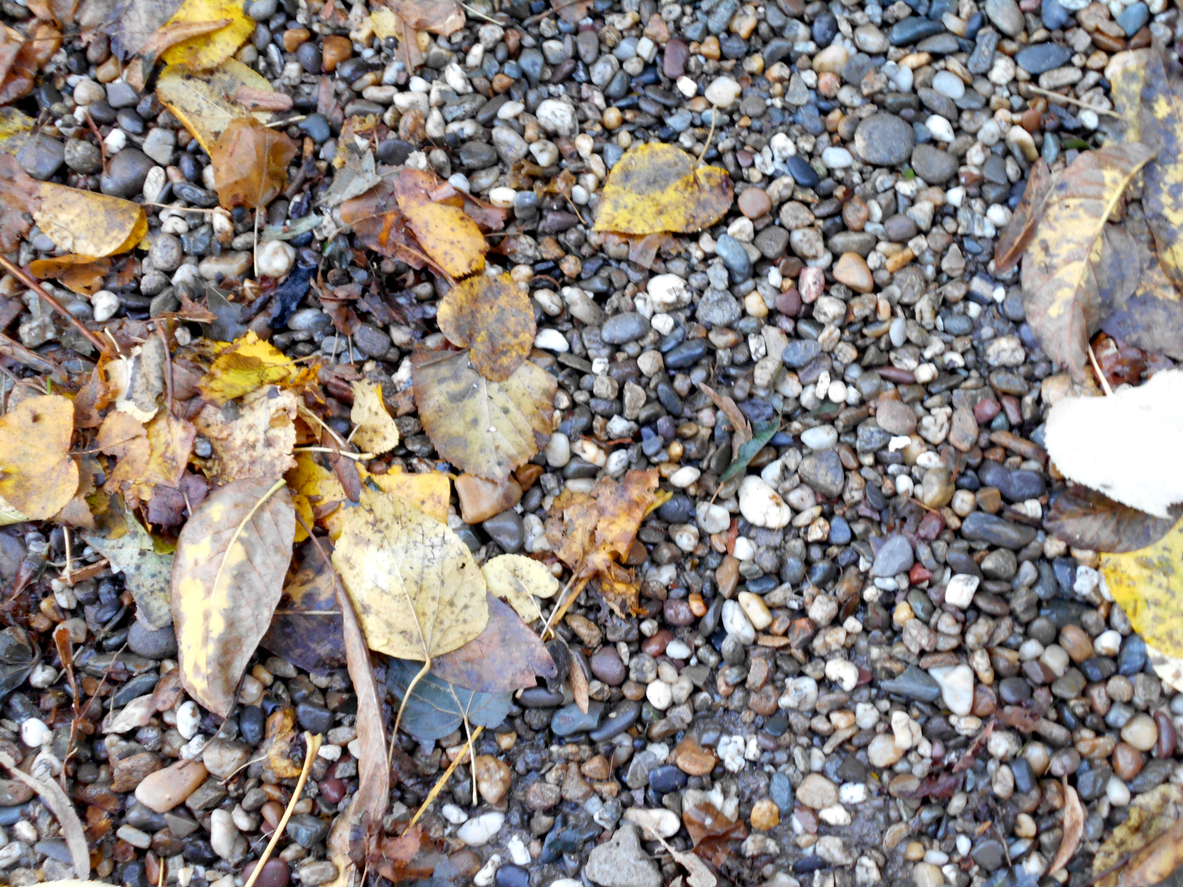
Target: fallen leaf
column 19, row 195
column 394, row 857
column 657, row 187
column 374, row 429
column 430, row 491
column 38, row 476
column 1150, row 816
column 518, row 580
column 148, row 455
column 245, row 366
column 253, row 438
column 484, row 427
column 200, row 53
column 493, row 316
column 1126, row 73
column 231, row 558
column 443, row 17
column 306, row 628
column 176, row 32
column 1161, row 122
column 62, row 807
column 43, row 42
column 1126, row 446
column 205, row 103
column 1155, row 862
column 711, row 831
column 697, row 873
column 355, row 177
column 88, row 223
column 742, row 429
column 78, row 274
column 417, row 591
column 279, row 735
column 1073, row 829
column 592, row 532
column 1087, row 519
column 1151, row 318
column 501, row 659
column 762, row 434
column 1059, row 285
column 146, row 572
column 15, row 129
column 250, row 163
column 435, row 708
column 318, row 488
column 137, row 381
column 1148, row 584
column 1013, row 240
column 133, row 22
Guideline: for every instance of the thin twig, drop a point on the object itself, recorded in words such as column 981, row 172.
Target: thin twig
column 1100, row 375
column 443, row 780
column 313, row 743
column 710, row 135
column 356, row 457
column 23, row 276
column 481, row 15
column 1073, row 101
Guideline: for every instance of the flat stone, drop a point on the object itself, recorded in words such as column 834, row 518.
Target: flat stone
column 165, row 789
column 481, row 499
column 884, row 139
column 982, row 527
column 914, row 684
column 1006, row 16
column 622, row 328
column 933, row 165
column 126, row 172
column 1042, row 57
column 621, row 862
column 823, row 473
column 569, row 720
column 894, row 557
column 895, row 417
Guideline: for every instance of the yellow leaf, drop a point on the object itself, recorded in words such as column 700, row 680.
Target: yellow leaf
column 205, row 103
column 38, row 477
column 1126, row 73
column 88, row 223
column 493, row 315
column 1150, row 815
column 486, row 428
column 316, row 486
column 657, row 187
column 232, row 556
column 374, row 429
column 430, row 491
column 1060, row 291
column 14, row 129
column 417, row 591
column 1161, row 128
column 1148, row 584
column 149, row 456
column 253, row 438
column 444, row 231
column 244, row 366
column 518, row 580
column 78, row 274
column 209, row 51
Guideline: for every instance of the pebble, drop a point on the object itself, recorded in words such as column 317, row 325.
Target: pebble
column 480, row 829
column 621, row 862
column 893, row 558
column 723, row 92
column 761, row 505
column 957, row 687
column 165, row 789
column 884, row 140
column 125, row 174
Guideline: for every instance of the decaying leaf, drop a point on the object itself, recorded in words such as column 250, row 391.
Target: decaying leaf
column 1073, row 829
column 200, row 53
column 592, row 532
column 443, row 17
column 1148, row 584
column 357, row 175
column 1153, row 816
column 1126, row 73
column 306, row 627
column 657, row 187
column 1060, row 292
column 494, row 317
column 484, row 427
column 250, row 163
column 78, row 274
column 1161, row 122
column 19, row 195
column 1017, row 233
column 147, row 456
column 205, row 103
column 435, row 708
column 245, row 366
column 1151, row 317
column 146, row 572
column 231, row 559
column 374, row 429
column 170, row 35
column 15, row 128
column 88, row 223
column 1126, row 446
column 38, row 476
column 251, row 438
column 518, row 580
column 417, row 591
column 137, row 381
column 133, row 22
column 430, row 491
column 1087, row 519
column 501, row 659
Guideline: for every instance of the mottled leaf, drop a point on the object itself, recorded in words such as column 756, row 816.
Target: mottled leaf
column 494, row 317
column 657, row 187
column 88, row 223
column 205, row 103
column 1087, row 519
column 435, row 708
column 518, row 580
column 1017, row 233
column 200, row 53
column 501, row 659
column 146, row 572
column 250, row 163
column 1073, row 829
column 1161, row 123
column 251, row 438
column 1151, row 815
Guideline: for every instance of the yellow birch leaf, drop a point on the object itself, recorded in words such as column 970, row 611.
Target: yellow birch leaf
column 205, row 103
column 493, row 315
column 518, row 580
column 38, row 476
column 88, row 223
column 14, row 129
column 445, row 232
column 1148, row 584
column 244, row 366
column 430, row 491
column 417, row 590
column 657, row 187
column 375, row 431
column 210, row 50
column 231, row 559
column 1126, row 73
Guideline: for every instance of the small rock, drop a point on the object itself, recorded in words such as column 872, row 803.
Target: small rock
column 851, row 269
column 722, row 92
column 884, row 139
column 165, row 789
column 762, row 505
column 480, row 829
column 894, row 557
column 126, row 172
column 621, row 862
column 492, row 778
column 957, row 687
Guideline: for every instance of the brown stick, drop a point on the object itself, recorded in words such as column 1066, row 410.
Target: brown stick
column 23, row 276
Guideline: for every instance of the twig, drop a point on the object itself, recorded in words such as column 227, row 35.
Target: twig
column 1100, row 375
column 472, row 11
column 548, row 630
column 286, row 121
column 99, row 137
column 1072, row 101
column 710, row 135
column 309, row 756
column 356, row 457
column 23, row 276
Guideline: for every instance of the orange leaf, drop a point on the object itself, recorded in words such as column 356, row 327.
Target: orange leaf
column 250, row 163
column 79, row 274
column 493, row 315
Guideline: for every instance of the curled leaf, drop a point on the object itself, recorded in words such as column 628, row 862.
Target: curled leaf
column 1073, row 829
column 202, row 52
column 1017, row 233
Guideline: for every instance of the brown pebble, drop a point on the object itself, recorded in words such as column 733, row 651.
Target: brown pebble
column 727, row 576
column 482, row 499
column 655, row 646
column 691, row 758
column 275, row 873
column 164, row 789
column 856, row 214
column 754, row 203
column 1076, row 643
column 596, row 769
column 1127, row 761
column 895, row 417
column 851, row 269
column 335, row 50
column 765, row 815
column 293, row 38
column 1167, row 735
column 492, row 778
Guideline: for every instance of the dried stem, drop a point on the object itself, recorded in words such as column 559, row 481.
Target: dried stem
column 23, row 276
column 1072, row 101
column 443, row 780
column 313, row 743
column 1100, row 375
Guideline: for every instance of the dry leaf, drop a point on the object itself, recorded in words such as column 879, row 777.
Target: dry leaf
column 592, row 532
column 231, row 559
column 1155, row 862
column 15, row 128
column 501, row 659
column 1017, row 234
column 200, row 53
column 23, row 66
column 485, row 428
column 697, row 873
column 306, row 627
column 494, row 317
column 1060, row 293
column 140, row 70
column 1126, row 73
column 657, row 187
column 1151, row 315
column 518, row 580
column 137, row 381
column 1161, row 123
column 1126, row 446
column 1085, row 518
column 148, row 455
column 62, row 807
column 417, row 591
column 244, row 366
column 374, row 429
column 315, row 491
column 78, row 274
column 88, row 223
column 253, row 438
column 38, row 476
column 430, row 491
column 250, row 163
column 146, row 572
column 443, row 17
column 277, row 740
column 19, row 195
column 1151, row 816
column 132, row 23
column 205, row 103
column 1073, row 829
column 739, row 422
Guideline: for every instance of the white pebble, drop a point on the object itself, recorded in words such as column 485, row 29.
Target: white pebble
column 948, row 84
column 736, row 622
column 722, row 92
column 275, row 258
column 551, row 340
column 941, row 129
column 961, row 589
column 188, row 719
column 762, row 505
column 685, row 476
column 35, row 733
column 480, row 829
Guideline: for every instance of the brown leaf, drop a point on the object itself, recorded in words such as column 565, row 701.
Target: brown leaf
column 579, row 688
column 170, row 35
column 250, row 438
column 1017, row 234
column 78, row 274
column 306, row 628
column 501, row 659
column 443, row 17
column 493, row 315
column 1085, row 518
column 1151, row 815
column 1073, row 829
column 739, row 422
column 262, row 99
column 44, row 40
column 19, row 196
column 396, row 858
column 231, row 559
column 62, row 807
column 250, row 163
column 710, row 831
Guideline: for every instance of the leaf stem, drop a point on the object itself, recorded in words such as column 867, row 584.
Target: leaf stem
column 313, row 743
column 443, row 780
column 1100, row 374
column 356, row 457
column 1072, row 101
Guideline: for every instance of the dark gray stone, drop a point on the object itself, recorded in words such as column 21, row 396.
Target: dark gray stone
column 884, row 140
column 933, row 165
column 823, row 473
column 990, row 528
column 894, row 557
column 1042, row 57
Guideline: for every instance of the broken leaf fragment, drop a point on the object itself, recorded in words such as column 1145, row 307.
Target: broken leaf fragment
column 200, row 53
column 1087, row 519
column 417, row 591
column 38, row 476
column 493, row 316
column 1017, row 233
column 306, row 628
column 374, row 429
column 501, row 659
column 250, row 163
column 205, row 103
column 518, row 580
column 253, row 438
column 88, row 223
column 1152, row 815
column 657, row 187
column 146, row 572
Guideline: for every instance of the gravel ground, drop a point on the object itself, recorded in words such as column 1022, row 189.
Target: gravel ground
column 866, row 652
